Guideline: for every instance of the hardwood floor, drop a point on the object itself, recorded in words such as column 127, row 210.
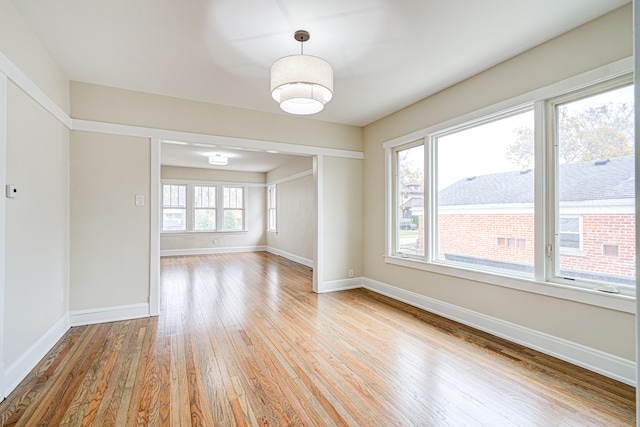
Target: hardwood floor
column 242, row 340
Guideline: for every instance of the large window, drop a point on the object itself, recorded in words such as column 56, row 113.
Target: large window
column 543, row 191
column 271, row 208
column 594, row 203
column 485, row 192
column 201, row 207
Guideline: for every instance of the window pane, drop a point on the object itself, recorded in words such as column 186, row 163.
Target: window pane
column 233, row 219
column 569, row 225
column 596, row 183
column 204, row 196
column 486, row 195
column 233, row 197
column 174, row 196
column 410, row 201
column 205, row 219
column 173, row 219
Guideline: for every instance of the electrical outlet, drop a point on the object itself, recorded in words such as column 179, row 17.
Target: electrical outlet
column 215, row 241
column 351, row 273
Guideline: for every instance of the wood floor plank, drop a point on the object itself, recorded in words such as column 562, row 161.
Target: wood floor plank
column 242, row 340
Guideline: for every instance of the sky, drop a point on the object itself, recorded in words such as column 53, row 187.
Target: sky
column 481, row 150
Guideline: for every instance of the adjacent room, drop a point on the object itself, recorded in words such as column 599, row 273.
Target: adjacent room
column 318, row 213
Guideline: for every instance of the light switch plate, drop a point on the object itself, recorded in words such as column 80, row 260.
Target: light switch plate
column 139, row 200
column 12, row 191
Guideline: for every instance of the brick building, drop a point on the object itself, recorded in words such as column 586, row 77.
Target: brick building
column 489, row 221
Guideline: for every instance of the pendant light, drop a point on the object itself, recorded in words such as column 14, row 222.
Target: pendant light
column 301, row 84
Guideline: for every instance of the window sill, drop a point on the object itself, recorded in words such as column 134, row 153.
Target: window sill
column 576, row 253
column 618, row 302
column 191, row 233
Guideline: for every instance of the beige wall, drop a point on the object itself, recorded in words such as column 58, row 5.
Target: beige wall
column 112, row 105
column 343, row 218
column 595, row 44
column 292, row 167
column 19, row 43
column 255, row 236
column 109, row 233
column 37, row 224
column 294, row 209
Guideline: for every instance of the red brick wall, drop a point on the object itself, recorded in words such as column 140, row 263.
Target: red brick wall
column 476, row 236
column 598, row 230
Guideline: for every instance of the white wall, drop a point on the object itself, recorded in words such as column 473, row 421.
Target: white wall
column 109, row 233
column 599, row 329
column 202, row 242
column 294, row 210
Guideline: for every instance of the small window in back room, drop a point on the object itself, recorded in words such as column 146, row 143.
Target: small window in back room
column 174, row 207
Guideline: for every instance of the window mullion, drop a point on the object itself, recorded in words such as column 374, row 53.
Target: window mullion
column 543, row 143
column 430, row 204
column 219, row 207
column 190, row 203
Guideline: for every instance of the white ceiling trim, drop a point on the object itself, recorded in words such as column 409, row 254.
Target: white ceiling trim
column 199, row 138
column 21, row 80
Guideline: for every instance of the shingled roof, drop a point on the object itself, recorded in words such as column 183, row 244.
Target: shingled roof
column 593, row 180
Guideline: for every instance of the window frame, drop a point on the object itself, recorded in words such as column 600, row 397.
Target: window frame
column 174, row 207
column 396, row 197
column 191, row 209
column 198, row 208
column 543, row 282
column 226, row 208
column 272, row 204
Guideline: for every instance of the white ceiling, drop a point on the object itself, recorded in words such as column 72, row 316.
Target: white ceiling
column 177, row 153
column 386, row 54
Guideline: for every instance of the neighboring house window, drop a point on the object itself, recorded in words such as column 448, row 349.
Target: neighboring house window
column 199, row 207
column 479, row 201
column 611, row 250
column 569, row 236
column 511, row 242
column 271, row 208
column 174, row 207
column 233, row 208
column 409, row 200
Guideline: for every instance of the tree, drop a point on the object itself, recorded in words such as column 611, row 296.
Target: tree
column 597, row 132
column 521, row 151
column 411, row 165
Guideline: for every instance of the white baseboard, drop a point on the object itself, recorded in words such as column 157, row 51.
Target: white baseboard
column 290, row 256
column 108, row 314
column 207, row 251
column 18, row 370
column 341, row 285
column 595, row 360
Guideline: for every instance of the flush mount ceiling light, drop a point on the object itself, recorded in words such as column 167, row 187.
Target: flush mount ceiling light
column 218, row 160
column 301, row 84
